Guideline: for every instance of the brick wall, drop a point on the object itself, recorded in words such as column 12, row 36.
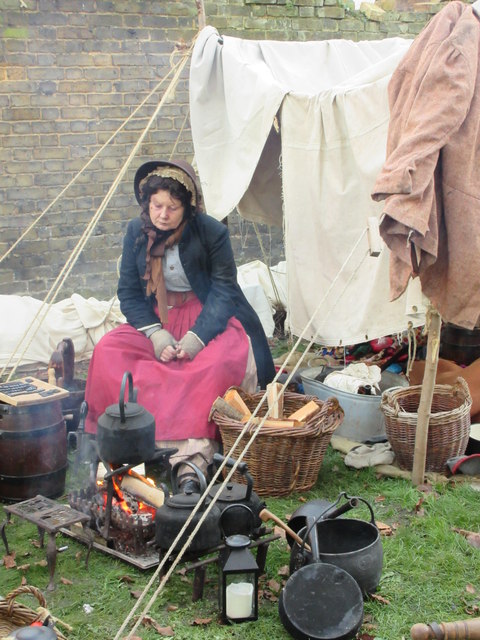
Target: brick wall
column 72, row 73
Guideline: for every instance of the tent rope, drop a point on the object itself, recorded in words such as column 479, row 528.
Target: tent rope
column 238, row 460
column 72, row 259
column 96, row 154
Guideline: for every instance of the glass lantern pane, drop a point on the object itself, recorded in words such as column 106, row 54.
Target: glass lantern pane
column 240, row 595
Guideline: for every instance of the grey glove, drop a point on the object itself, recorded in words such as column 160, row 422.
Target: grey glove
column 191, row 344
column 161, row 339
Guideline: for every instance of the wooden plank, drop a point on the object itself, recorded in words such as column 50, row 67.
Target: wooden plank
column 35, row 392
column 236, row 401
column 275, row 400
column 305, row 412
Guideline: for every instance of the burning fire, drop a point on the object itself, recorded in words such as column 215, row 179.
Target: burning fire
column 132, row 505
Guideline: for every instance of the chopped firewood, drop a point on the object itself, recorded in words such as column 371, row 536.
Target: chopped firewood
column 143, row 491
column 275, row 399
column 274, row 422
column 235, row 400
column 226, row 409
column 305, row 412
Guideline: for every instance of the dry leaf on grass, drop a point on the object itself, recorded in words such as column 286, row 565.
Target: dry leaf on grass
column 132, row 638
column 172, row 607
column 201, row 622
column 24, row 581
column 379, row 499
column 470, row 588
column 148, row 621
column 385, row 529
column 274, row 585
column 471, row 537
column 36, row 543
column 9, row 561
column 136, row 594
column 284, row 571
column 378, row 598
column 23, row 567
column 41, row 563
column 127, row 579
column 65, row 581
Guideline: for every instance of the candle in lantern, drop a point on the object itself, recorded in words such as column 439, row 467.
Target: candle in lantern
column 239, row 600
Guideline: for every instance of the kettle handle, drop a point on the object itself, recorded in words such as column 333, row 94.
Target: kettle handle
column 242, row 469
column 121, row 402
column 198, row 473
column 236, row 505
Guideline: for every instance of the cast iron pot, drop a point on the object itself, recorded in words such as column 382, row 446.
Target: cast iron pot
column 353, row 545
column 237, row 520
column 173, row 514
column 126, row 431
column 321, row 602
column 313, row 510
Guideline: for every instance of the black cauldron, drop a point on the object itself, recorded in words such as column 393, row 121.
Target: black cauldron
column 353, row 545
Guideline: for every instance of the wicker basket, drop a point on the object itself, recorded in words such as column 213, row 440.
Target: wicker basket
column 448, row 428
column 15, row 615
column 282, row 459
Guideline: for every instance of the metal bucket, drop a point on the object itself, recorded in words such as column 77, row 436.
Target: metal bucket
column 363, row 418
column 33, row 451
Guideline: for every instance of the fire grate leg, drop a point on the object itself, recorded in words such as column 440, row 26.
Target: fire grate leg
column 51, row 559
column 198, row 583
column 4, row 535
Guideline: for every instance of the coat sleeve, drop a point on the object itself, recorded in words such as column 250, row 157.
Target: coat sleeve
column 222, row 291
column 134, row 304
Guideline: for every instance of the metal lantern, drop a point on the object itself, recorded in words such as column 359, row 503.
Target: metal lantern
column 238, row 581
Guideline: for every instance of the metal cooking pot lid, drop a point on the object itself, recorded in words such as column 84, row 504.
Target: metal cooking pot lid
column 232, row 492
column 132, row 409
column 321, row 602
column 185, row 500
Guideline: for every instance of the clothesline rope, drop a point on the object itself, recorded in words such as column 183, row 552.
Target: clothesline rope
column 73, row 257
column 238, row 460
column 86, row 165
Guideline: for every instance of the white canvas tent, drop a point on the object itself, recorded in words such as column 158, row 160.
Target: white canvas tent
column 295, row 134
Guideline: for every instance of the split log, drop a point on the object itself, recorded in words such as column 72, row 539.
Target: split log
column 142, row 491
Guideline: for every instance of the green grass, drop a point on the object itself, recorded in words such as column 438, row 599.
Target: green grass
column 426, row 572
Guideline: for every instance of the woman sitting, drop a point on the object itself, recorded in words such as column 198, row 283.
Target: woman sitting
column 190, row 330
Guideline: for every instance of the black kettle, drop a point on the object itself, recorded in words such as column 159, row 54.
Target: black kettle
column 173, row 514
column 235, row 493
column 126, row 431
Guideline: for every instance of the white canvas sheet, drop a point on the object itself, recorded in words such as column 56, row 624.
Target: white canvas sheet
column 83, row 320
column 294, row 133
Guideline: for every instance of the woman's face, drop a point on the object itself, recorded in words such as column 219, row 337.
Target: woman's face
column 166, row 212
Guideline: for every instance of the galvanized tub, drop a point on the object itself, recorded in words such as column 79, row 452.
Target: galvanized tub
column 363, row 418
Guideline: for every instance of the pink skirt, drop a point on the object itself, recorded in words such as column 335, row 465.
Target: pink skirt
column 179, row 394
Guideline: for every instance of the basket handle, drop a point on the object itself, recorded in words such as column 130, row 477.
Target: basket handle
column 327, row 418
column 10, row 598
column 461, row 383
column 388, row 398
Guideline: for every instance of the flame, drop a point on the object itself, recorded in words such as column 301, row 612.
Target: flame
column 120, row 501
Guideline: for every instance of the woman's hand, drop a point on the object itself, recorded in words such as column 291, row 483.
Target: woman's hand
column 189, row 346
column 163, row 345
column 168, row 354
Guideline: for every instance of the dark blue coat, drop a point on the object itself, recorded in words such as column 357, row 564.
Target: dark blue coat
column 207, row 258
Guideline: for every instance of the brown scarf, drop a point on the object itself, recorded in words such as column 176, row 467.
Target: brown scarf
column 156, row 246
